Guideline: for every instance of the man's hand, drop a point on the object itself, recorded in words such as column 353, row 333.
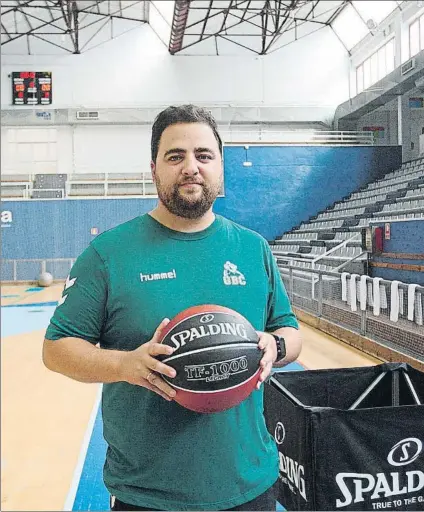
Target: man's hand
column 141, row 368
column 268, row 345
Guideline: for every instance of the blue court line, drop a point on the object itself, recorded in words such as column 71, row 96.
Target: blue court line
column 33, row 304
column 9, row 296
column 91, row 493
column 37, row 289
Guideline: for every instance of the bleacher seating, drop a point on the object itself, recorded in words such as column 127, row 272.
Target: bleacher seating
column 399, row 195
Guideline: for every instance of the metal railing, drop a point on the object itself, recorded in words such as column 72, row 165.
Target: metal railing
column 400, row 329
column 281, row 256
column 396, row 321
column 24, row 270
column 25, row 189
column 78, row 186
column 299, row 137
column 102, row 186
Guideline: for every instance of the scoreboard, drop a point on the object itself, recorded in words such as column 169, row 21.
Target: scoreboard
column 31, row 88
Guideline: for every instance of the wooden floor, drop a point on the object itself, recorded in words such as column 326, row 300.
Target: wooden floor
column 321, row 350
column 45, row 415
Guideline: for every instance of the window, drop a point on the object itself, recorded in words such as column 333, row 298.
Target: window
column 351, row 24
column 377, row 66
column 349, row 27
column 390, row 56
column 374, row 67
column 422, row 32
column 375, row 10
column 381, row 57
column 367, row 73
column 416, row 36
column 359, row 79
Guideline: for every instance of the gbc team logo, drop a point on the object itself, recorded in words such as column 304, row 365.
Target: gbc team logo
column 404, row 452
column 232, row 276
column 279, row 433
column 206, row 318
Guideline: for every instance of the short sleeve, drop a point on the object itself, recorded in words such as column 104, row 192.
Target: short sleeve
column 280, row 313
column 80, row 312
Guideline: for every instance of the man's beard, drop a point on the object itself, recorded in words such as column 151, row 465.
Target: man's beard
column 186, row 207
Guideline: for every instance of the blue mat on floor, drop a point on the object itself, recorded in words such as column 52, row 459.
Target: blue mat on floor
column 33, row 304
column 25, row 318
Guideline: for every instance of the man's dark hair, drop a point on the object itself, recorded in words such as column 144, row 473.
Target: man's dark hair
column 182, row 114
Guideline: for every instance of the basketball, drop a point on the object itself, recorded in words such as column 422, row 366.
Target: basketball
column 216, row 358
column 45, row 279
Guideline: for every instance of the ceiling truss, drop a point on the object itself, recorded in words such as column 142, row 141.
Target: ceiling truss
column 259, row 26
column 61, row 23
column 266, row 21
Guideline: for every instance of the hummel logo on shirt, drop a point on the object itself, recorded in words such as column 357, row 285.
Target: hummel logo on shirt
column 232, row 276
column 158, row 276
column 68, row 284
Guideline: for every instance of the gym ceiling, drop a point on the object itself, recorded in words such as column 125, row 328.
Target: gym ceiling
column 186, row 27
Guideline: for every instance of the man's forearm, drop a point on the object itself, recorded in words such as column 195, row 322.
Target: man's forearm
column 82, row 361
column 293, row 344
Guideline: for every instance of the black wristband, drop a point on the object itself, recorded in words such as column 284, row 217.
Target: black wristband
column 281, row 347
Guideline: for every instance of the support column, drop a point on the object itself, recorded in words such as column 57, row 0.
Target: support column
column 399, row 115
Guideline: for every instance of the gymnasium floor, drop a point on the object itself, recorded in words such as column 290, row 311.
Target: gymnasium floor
column 52, row 445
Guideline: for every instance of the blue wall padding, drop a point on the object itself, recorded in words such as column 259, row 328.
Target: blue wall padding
column 288, row 184
column 284, row 186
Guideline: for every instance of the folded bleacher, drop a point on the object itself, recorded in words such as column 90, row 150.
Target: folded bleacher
column 49, row 186
column 331, row 240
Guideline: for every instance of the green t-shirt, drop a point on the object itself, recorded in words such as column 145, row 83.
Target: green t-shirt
column 161, row 455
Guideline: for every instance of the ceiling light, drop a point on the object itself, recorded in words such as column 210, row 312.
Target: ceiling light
column 371, row 24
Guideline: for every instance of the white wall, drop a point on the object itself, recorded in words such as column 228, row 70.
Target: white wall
column 309, row 77
column 100, row 149
column 306, row 79
column 36, row 150
column 111, row 149
column 75, row 149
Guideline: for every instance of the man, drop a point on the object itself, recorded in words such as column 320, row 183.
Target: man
column 160, row 455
